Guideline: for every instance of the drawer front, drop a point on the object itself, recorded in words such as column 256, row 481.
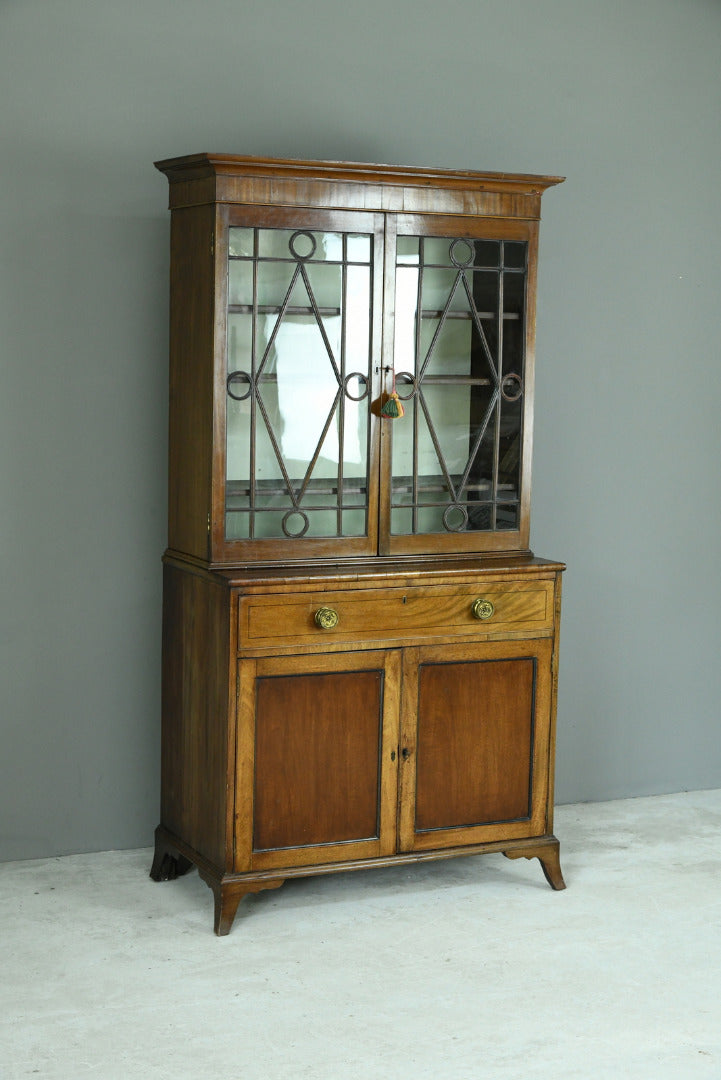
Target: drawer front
column 394, row 613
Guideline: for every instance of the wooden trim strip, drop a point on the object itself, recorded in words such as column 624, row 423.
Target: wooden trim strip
column 197, row 166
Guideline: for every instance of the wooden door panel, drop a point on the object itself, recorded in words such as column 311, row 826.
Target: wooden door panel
column 317, row 765
column 316, row 758
column 475, row 735
column 475, row 742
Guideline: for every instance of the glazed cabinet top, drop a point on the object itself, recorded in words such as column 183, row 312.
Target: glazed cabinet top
column 352, row 352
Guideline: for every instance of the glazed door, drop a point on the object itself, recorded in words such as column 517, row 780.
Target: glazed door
column 475, row 743
column 317, row 760
column 456, row 465
column 299, row 304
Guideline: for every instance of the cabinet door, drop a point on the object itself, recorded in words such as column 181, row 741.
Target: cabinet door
column 299, row 365
column 475, row 743
column 317, row 759
column 456, row 465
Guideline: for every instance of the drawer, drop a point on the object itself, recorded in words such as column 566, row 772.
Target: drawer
column 417, row 612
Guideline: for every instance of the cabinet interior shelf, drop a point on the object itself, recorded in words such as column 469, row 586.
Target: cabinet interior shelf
column 426, row 313
column 275, row 309
column 240, row 489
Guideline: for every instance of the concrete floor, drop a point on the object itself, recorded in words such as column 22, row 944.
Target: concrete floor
column 460, row 970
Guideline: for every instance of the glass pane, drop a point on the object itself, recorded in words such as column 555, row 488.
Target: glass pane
column 483, row 411
column 437, row 251
column 514, row 254
column 330, row 246
column 240, row 282
column 401, row 522
column 306, row 391
column 326, row 285
column 355, row 450
column 402, row 455
column 430, row 520
column 456, row 461
column 354, row 523
column 509, row 450
column 485, row 285
column 268, row 525
column 480, row 517
column 514, row 291
column 237, row 526
column 268, row 474
column 238, row 496
column 240, row 242
column 449, row 412
column 238, row 439
column 273, row 281
column 438, row 285
column 359, row 248
column 300, row 381
column 507, row 516
column 358, row 326
column 321, row 523
column 274, row 244
column 451, row 344
column 513, row 346
column 488, row 252
column 405, row 320
column 407, row 249
column 240, row 344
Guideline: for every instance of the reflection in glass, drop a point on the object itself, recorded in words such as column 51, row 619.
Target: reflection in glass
column 298, row 354
column 459, row 362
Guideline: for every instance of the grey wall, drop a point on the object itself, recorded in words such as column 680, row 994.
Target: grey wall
column 622, row 96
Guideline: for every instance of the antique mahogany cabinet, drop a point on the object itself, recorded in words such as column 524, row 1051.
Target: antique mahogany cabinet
column 359, row 649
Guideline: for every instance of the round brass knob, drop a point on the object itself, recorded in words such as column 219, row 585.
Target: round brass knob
column 326, row 618
column 482, row 609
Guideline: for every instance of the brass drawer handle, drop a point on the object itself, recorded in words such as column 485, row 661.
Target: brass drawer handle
column 482, row 609
column 326, row 618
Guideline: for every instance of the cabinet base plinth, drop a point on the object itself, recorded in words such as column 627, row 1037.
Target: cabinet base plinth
column 548, row 854
column 173, row 858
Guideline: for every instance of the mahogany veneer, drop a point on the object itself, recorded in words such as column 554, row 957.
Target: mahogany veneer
column 366, row 694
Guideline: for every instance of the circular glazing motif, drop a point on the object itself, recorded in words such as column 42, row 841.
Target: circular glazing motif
column 404, row 378
column 300, row 240
column 455, row 517
column 511, row 386
column 292, row 527
column 461, row 253
column 347, row 387
column 233, row 378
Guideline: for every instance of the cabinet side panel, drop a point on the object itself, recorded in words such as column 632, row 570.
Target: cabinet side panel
column 191, row 380
column 195, row 744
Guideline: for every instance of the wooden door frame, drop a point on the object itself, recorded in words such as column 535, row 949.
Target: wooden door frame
column 539, row 650
column 249, row 670
column 237, row 552
column 486, row 228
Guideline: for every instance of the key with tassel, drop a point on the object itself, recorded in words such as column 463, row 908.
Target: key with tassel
column 392, row 407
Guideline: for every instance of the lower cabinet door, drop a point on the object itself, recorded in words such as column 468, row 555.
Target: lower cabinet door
column 476, row 728
column 316, row 759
